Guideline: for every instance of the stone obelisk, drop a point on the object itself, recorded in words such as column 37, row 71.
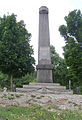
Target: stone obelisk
column 44, row 67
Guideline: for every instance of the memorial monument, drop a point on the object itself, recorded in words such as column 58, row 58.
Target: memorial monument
column 44, row 67
column 45, row 83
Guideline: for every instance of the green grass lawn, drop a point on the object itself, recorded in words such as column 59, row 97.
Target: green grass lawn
column 37, row 113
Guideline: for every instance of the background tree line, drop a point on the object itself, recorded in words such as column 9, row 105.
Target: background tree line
column 72, row 33
column 69, row 68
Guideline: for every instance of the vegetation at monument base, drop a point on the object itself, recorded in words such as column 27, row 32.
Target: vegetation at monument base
column 19, row 82
column 37, row 113
column 72, row 33
column 15, row 50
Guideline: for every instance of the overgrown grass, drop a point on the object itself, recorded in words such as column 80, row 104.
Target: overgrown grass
column 71, row 115
column 37, row 113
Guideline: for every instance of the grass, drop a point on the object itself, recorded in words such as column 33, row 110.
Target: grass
column 10, row 97
column 18, row 95
column 72, row 115
column 35, row 112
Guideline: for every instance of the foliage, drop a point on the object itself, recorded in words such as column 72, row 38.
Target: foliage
column 18, row 82
column 72, row 33
column 15, row 50
column 60, row 72
column 4, row 82
column 73, row 27
column 35, row 112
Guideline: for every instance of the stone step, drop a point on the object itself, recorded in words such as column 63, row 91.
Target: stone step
column 45, row 84
column 47, row 91
column 42, row 85
column 38, row 89
column 33, row 89
column 47, row 87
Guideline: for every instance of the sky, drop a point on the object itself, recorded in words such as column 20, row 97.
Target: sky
column 28, row 10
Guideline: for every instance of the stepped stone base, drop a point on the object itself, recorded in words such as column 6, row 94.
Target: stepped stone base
column 45, row 88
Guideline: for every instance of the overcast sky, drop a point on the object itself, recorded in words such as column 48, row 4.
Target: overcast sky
column 28, row 10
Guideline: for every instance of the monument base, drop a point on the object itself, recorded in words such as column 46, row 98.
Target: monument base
column 44, row 73
column 44, row 88
column 44, row 76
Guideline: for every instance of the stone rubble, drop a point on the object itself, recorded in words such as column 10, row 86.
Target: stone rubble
column 54, row 101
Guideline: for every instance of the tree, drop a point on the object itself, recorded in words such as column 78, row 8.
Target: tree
column 4, row 81
column 72, row 33
column 15, row 50
column 60, row 71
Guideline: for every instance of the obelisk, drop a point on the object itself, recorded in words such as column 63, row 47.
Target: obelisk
column 44, row 67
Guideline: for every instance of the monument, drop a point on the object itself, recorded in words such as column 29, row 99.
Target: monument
column 45, row 83
column 44, row 67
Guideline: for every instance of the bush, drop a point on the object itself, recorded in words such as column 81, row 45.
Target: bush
column 4, row 81
column 19, row 82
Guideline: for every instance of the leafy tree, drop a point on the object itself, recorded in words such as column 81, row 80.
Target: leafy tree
column 15, row 50
column 74, row 26
column 72, row 33
column 60, row 71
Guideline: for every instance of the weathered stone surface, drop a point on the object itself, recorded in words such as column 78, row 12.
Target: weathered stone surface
column 43, row 10
column 44, row 67
column 47, row 88
column 43, row 84
column 44, row 76
column 54, row 101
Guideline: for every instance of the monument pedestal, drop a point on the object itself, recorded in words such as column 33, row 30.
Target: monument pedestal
column 44, row 73
column 44, row 88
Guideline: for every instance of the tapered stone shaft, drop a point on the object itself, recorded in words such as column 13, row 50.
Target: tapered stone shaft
column 44, row 67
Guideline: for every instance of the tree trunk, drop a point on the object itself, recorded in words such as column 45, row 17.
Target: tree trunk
column 11, row 81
